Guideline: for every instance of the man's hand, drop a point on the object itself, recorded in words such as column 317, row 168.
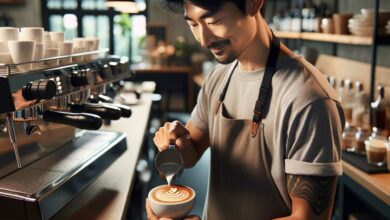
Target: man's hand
column 152, row 216
column 176, row 133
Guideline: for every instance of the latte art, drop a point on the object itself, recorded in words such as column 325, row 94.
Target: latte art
column 172, row 194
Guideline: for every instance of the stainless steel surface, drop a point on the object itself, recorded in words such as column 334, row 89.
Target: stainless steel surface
column 58, row 159
column 51, row 182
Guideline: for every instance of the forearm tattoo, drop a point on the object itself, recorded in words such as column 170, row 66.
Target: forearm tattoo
column 318, row 191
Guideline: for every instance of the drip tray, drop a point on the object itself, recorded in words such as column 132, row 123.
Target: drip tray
column 42, row 188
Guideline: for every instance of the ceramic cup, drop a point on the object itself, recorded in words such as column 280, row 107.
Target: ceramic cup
column 22, row 51
column 80, row 45
column 4, row 47
column 8, row 34
column 57, row 36
column 65, row 48
column 5, row 58
column 78, row 59
column 52, row 52
column 171, row 209
column 39, row 54
column 31, row 34
column 46, row 37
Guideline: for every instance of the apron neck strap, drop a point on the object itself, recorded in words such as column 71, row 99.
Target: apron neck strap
column 266, row 84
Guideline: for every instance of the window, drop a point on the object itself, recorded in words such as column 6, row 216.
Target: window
column 85, row 18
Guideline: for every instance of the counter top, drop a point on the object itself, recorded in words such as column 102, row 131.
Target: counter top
column 377, row 184
column 107, row 197
column 162, row 69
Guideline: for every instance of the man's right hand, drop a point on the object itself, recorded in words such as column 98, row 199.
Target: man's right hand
column 176, row 133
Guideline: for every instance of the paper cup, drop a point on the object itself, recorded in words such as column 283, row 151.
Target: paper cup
column 22, row 51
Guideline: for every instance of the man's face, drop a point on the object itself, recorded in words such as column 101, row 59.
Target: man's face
column 226, row 32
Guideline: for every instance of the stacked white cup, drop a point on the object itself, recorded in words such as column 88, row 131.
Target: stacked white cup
column 79, row 46
column 92, row 45
column 53, row 42
column 7, row 34
column 34, row 34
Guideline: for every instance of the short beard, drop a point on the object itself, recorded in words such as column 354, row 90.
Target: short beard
column 226, row 60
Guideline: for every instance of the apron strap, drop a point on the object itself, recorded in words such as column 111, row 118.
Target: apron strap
column 223, row 93
column 266, row 84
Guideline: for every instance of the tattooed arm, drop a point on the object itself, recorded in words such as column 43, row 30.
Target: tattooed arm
column 312, row 196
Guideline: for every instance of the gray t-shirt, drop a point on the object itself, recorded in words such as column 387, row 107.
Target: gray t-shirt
column 304, row 118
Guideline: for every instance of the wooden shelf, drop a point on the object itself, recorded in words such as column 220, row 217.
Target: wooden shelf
column 330, row 38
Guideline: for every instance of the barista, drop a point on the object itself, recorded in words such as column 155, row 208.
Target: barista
column 272, row 121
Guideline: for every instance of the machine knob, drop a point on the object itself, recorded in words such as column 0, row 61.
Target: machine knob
column 114, row 67
column 42, row 89
column 105, row 71
column 82, row 77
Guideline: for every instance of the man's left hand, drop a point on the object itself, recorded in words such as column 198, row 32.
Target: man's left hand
column 152, row 216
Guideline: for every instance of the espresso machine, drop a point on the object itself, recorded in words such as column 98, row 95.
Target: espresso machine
column 50, row 146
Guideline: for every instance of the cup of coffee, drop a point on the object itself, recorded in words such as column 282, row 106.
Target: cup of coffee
column 376, row 150
column 171, row 201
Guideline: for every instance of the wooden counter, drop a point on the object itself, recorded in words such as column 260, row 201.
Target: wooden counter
column 377, row 184
column 108, row 196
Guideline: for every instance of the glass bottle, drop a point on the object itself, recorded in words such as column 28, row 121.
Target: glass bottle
column 348, row 138
column 379, row 113
column 360, row 110
column 348, row 100
column 362, row 134
column 340, row 90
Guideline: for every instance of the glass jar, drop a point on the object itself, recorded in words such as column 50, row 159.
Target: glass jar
column 376, row 150
column 362, row 134
column 348, row 138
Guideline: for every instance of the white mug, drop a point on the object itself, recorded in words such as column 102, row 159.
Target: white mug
column 31, row 33
column 5, row 58
column 39, row 54
column 65, row 48
column 8, row 34
column 52, row 52
column 46, row 37
column 22, row 51
column 4, row 47
column 57, row 36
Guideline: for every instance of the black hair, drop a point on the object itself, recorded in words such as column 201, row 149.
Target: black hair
column 176, row 6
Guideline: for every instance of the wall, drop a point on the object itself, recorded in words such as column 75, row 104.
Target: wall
column 174, row 23
column 28, row 15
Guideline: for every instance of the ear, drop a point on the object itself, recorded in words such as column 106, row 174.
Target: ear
column 253, row 6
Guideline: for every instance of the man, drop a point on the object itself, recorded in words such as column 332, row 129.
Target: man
column 272, row 121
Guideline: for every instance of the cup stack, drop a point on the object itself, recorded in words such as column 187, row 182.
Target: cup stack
column 7, row 34
column 33, row 43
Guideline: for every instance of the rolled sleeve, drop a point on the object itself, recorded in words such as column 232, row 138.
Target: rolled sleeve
column 314, row 140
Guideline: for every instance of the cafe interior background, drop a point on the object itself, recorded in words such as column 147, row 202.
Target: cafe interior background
column 345, row 39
